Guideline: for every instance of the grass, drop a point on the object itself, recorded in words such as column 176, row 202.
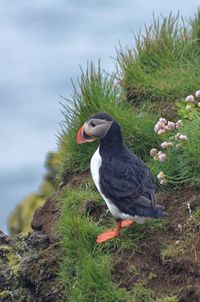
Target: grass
column 86, row 269
column 96, row 92
column 85, row 273
column 164, row 64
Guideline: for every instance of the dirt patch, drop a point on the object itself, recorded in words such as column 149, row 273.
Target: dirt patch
column 46, row 217
column 74, row 180
column 167, row 260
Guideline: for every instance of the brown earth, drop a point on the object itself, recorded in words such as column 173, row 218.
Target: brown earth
column 166, row 260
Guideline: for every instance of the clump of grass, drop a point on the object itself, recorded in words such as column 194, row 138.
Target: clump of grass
column 168, row 299
column 171, row 251
column 189, row 161
column 85, row 273
column 141, row 294
column 164, row 65
column 96, row 92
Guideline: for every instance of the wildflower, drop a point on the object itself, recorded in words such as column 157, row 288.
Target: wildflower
column 162, row 157
column 162, row 178
column 171, row 125
column 179, row 124
column 162, row 120
column 197, row 93
column 161, row 175
column 188, row 107
column 189, row 98
column 198, row 104
column 166, row 145
column 183, row 137
column 159, row 126
column 153, row 152
column 161, row 131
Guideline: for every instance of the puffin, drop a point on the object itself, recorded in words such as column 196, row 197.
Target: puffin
column 125, row 183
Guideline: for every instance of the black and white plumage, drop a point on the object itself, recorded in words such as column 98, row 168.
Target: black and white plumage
column 122, row 179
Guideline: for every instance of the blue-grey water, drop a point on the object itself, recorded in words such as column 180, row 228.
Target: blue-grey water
column 42, row 44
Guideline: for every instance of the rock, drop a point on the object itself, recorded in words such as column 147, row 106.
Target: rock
column 46, row 217
column 29, row 264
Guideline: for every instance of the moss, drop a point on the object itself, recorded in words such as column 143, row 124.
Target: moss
column 141, row 294
column 5, row 294
column 13, row 262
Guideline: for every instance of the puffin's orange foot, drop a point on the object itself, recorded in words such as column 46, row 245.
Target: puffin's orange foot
column 107, row 235
column 126, row 223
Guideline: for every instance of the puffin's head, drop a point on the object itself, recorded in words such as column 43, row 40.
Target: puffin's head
column 97, row 126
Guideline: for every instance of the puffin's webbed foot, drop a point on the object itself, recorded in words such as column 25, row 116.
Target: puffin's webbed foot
column 109, row 234
column 126, row 223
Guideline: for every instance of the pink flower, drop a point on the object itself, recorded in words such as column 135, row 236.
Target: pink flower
column 189, row 98
column 162, row 157
column 162, row 120
column 153, row 152
column 161, row 131
column 171, row 125
column 197, row 93
column 160, row 124
column 166, row 145
column 183, row 137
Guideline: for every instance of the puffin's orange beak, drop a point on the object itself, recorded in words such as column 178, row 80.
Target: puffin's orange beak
column 83, row 137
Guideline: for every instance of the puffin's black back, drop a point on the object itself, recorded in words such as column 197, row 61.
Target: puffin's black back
column 124, row 179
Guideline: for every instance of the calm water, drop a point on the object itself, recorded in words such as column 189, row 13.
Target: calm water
column 42, row 45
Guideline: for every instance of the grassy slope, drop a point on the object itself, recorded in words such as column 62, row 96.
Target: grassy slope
column 150, row 262
column 167, row 55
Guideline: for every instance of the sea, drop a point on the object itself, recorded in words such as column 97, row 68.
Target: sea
column 42, row 46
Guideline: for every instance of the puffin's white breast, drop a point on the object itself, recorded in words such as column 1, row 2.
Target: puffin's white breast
column 95, row 165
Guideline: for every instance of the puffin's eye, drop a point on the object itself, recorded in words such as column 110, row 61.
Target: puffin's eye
column 92, row 124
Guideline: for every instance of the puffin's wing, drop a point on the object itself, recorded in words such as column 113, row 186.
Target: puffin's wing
column 127, row 180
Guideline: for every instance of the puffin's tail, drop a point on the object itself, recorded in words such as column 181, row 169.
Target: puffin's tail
column 157, row 212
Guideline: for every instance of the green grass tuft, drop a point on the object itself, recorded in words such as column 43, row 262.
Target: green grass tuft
column 164, row 65
column 85, row 273
column 97, row 92
column 141, row 294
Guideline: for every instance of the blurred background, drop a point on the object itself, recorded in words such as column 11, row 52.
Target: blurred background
column 42, row 45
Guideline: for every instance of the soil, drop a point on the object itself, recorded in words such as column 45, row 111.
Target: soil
column 178, row 271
